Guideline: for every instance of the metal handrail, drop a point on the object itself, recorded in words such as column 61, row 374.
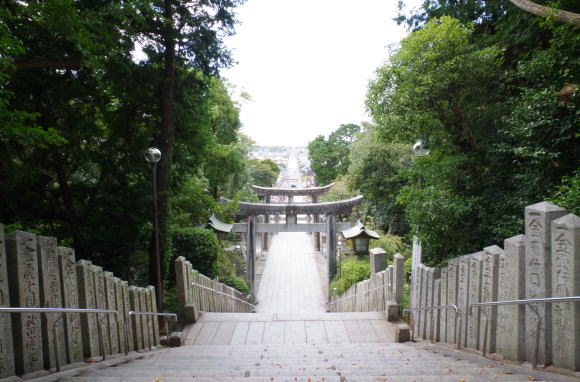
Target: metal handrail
column 438, row 307
column 357, row 294
column 139, row 313
column 222, row 293
column 62, row 312
column 529, row 301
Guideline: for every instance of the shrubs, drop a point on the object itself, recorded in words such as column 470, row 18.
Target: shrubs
column 352, row 270
column 236, row 283
column 199, row 246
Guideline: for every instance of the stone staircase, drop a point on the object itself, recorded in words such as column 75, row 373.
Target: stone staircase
column 210, row 356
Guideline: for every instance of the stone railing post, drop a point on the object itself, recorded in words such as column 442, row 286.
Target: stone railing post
column 6, row 354
column 24, row 292
column 136, row 324
column 87, row 299
column 50, row 297
column 378, row 258
column 186, row 307
column 70, row 299
column 398, row 277
column 566, row 282
column 539, row 277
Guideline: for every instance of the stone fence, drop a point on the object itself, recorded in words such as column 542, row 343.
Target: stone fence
column 382, row 292
column 545, row 262
column 36, row 273
column 198, row 293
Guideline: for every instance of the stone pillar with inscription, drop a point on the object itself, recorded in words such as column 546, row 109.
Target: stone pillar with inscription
column 539, row 277
column 127, row 302
column 121, row 316
column 511, row 286
column 474, row 292
column 436, row 335
column 398, row 279
column 6, row 354
column 566, row 282
column 443, row 301
column 378, row 258
column 429, row 302
column 153, row 308
column 111, row 320
column 146, row 325
column 24, row 292
column 88, row 300
column 423, row 303
column 452, row 285
column 463, row 296
column 50, row 297
column 101, row 298
column 417, row 282
column 70, row 299
column 489, row 282
column 136, row 322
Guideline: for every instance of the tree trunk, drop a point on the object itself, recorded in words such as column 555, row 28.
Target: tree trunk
column 540, row 10
column 166, row 141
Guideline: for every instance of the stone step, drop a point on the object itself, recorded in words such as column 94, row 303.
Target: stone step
column 335, row 378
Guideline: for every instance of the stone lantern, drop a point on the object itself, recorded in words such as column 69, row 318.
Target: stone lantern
column 360, row 237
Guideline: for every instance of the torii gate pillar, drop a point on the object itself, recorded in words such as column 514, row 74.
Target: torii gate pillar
column 316, row 220
column 251, row 254
column 331, row 245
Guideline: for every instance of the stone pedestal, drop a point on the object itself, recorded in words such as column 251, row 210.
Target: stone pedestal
column 6, row 354
column 511, row 286
column 378, row 258
column 70, row 299
column 566, row 282
column 24, row 292
column 50, row 297
column 539, row 277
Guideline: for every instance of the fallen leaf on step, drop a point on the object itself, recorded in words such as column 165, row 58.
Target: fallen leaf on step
column 462, row 380
column 530, row 378
column 382, row 374
column 489, row 366
column 160, row 379
column 508, row 372
column 257, row 364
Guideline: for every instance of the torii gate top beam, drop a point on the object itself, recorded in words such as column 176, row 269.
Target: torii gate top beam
column 326, row 208
column 314, row 191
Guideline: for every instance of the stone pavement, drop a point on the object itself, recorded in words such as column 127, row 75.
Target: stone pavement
column 291, row 282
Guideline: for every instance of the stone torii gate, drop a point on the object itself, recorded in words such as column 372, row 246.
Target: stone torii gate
column 291, row 211
column 290, row 193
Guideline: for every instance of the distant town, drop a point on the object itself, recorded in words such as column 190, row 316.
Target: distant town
column 282, row 155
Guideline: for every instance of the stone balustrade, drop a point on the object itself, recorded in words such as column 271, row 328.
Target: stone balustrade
column 199, row 293
column 545, row 262
column 382, row 292
column 37, row 273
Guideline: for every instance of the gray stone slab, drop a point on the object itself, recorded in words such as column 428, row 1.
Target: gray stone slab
column 88, row 300
column 24, row 292
column 489, row 292
column 423, row 303
column 146, row 326
column 378, row 258
column 566, row 282
column 429, row 302
column 50, row 297
column 111, row 300
column 511, row 286
column 70, row 299
column 398, row 280
column 136, row 323
column 452, row 283
column 443, row 301
column 435, row 335
column 7, row 368
column 474, row 296
column 539, row 276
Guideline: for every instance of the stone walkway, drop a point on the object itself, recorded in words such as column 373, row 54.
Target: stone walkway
column 291, row 282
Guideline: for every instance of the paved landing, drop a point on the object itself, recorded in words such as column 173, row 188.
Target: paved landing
column 265, row 329
column 291, row 282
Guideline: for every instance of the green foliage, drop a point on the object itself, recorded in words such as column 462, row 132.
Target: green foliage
column 263, row 172
column 330, row 158
column 392, row 244
column 199, row 246
column 352, row 270
column 236, row 283
column 568, row 194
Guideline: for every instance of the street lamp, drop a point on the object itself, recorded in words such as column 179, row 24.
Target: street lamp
column 419, row 149
column 153, row 155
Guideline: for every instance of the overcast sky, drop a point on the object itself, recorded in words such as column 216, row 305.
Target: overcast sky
column 306, row 64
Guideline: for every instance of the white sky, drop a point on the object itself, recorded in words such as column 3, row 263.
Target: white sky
column 306, row 64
